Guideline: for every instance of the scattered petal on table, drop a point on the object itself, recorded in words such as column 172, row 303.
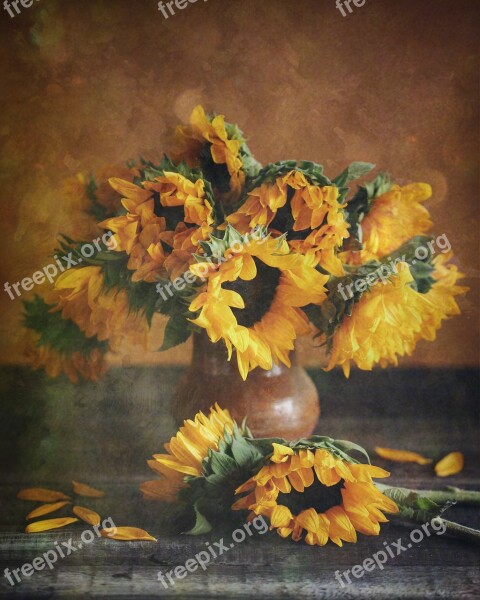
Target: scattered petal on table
column 450, row 464
column 45, row 509
column 39, row 526
column 402, row 456
column 85, row 490
column 127, row 534
column 41, row 495
column 87, row 515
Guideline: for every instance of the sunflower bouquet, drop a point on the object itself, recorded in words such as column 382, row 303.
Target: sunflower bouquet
column 254, row 256
column 315, row 489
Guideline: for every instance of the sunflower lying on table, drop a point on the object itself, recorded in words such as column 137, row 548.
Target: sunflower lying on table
column 186, row 224
column 311, row 489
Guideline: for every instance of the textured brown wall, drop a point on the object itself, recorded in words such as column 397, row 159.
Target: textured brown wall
column 94, row 82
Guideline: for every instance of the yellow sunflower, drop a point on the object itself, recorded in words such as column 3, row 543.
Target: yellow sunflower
column 316, row 493
column 186, row 452
column 389, row 320
column 394, row 217
column 313, row 213
column 252, row 301
column 104, row 314
column 189, row 143
column 143, row 234
column 89, row 366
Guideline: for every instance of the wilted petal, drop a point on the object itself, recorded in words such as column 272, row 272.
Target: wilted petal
column 450, row 464
column 402, row 456
column 82, row 489
column 45, row 509
column 41, row 495
column 87, row 515
column 48, row 524
column 127, row 534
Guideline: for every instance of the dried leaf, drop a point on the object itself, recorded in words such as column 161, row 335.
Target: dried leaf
column 87, row 515
column 450, row 464
column 85, row 490
column 48, row 524
column 402, row 456
column 41, row 495
column 127, row 534
column 45, row 509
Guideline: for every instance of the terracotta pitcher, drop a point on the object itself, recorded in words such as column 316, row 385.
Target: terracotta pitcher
column 281, row 402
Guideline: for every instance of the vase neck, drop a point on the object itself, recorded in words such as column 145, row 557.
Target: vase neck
column 213, row 358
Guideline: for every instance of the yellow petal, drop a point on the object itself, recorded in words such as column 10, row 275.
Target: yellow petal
column 87, row 515
column 85, row 490
column 45, row 509
column 450, row 464
column 41, row 495
column 402, row 456
column 48, row 524
column 127, row 534
column 280, row 453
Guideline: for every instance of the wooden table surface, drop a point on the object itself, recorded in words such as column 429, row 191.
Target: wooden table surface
column 53, row 432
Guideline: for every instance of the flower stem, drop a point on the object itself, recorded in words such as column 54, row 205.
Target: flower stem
column 451, row 494
column 460, row 531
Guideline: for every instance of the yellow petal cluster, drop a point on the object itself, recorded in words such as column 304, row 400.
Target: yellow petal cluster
column 313, row 209
column 394, row 217
column 190, row 139
column 105, row 314
column 185, row 453
column 360, row 508
column 389, row 320
column 89, row 367
column 143, row 235
column 270, row 339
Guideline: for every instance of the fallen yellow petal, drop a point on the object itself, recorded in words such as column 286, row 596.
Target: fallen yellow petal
column 87, row 515
column 450, row 464
column 41, row 495
column 45, row 509
column 85, row 490
column 402, row 456
column 49, row 524
column 127, row 534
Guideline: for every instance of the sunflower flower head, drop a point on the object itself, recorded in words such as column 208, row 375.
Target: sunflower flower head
column 315, row 490
column 252, row 300
column 388, row 215
column 218, row 148
column 157, row 210
column 58, row 345
column 389, row 319
column 186, row 452
column 308, row 210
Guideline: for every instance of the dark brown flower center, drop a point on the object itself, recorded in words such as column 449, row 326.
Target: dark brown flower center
column 258, row 293
column 317, row 496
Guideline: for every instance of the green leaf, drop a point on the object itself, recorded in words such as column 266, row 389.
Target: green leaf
column 245, row 453
column 354, row 171
column 177, row 331
column 349, row 447
column 201, row 524
column 222, row 464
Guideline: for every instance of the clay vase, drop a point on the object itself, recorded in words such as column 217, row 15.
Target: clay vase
column 281, row 402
